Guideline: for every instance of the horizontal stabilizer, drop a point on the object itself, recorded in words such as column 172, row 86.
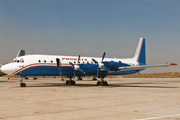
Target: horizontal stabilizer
column 146, row 66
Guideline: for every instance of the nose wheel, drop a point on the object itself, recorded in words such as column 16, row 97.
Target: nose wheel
column 21, row 83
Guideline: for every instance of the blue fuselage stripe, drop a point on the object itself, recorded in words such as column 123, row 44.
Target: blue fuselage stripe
column 66, row 71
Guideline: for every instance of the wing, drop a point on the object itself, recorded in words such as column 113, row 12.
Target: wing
column 146, row 66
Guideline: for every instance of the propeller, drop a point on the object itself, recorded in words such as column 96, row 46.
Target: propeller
column 101, row 65
column 76, row 67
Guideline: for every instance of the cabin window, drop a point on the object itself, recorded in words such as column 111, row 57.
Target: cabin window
column 91, row 62
column 83, row 62
column 17, row 61
column 44, row 61
column 74, row 62
column 39, row 61
column 51, row 61
column 120, row 61
column 87, row 62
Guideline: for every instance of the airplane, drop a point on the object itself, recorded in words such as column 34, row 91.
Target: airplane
column 71, row 66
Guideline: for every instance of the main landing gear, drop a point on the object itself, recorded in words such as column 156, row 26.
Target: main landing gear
column 79, row 78
column 21, row 83
column 94, row 78
column 70, row 82
column 102, row 83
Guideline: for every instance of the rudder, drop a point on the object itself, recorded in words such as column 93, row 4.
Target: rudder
column 140, row 55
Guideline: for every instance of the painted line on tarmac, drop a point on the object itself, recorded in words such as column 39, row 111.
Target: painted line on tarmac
column 159, row 117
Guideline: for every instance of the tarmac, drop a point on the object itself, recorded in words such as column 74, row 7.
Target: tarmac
column 123, row 99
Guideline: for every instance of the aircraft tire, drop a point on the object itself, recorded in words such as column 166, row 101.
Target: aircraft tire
column 23, row 84
column 70, row 82
column 105, row 83
column 67, row 82
column 102, row 83
column 73, row 83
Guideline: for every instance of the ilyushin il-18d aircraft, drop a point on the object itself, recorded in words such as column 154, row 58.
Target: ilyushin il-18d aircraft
column 72, row 66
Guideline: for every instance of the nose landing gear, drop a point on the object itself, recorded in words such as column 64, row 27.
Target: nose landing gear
column 21, row 83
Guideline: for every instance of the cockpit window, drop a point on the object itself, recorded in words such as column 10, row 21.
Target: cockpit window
column 18, row 61
column 21, row 60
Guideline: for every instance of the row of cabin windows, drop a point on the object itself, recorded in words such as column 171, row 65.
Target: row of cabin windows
column 45, row 61
column 74, row 62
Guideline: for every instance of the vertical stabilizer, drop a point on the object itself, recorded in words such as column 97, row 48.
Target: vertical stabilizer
column 21, row 53
column 140, row 55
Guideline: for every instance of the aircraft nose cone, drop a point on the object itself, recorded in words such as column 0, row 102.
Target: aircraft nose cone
column 4, row 69
column 2, row 73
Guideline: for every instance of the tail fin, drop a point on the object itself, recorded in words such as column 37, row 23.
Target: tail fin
column 21, row 53
column 140, row 55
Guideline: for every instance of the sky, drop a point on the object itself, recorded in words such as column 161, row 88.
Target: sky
column 90, row 27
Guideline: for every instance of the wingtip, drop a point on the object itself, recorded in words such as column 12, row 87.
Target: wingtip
column 173, row 64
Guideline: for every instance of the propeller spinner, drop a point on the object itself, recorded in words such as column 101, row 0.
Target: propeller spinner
column 101, row 65
column 76, row 67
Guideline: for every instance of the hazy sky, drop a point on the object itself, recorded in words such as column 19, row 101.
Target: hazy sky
column 90, row 27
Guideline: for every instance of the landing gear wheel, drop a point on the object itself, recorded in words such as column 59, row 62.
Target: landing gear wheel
column 70, row 82
column 73, row 82
column 105, row 83
column 102, row 83
column 23, row 84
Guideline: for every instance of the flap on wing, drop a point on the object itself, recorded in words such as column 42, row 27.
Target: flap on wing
column 146, row 66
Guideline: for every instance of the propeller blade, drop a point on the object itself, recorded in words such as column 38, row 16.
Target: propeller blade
column 79, row 58
column 80, row 70
column 71, row 64
column 106, row 68
column 104, row 54
column 97, row 73
column 94, row 61
column 74, row 74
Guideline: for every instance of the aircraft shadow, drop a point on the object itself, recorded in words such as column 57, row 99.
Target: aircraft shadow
column 139, row 85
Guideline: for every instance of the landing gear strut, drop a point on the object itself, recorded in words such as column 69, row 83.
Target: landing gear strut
column 79, row 78
column 102, row 82
column 94, row 78
column 21, row 83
